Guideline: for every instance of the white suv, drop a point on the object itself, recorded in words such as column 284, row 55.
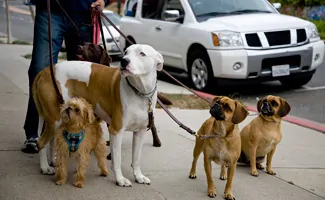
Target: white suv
column 220, row 40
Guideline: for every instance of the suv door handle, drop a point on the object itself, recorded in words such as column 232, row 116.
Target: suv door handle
column 158, row 28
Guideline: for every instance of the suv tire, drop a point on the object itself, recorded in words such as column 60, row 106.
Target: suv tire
column 201, row 79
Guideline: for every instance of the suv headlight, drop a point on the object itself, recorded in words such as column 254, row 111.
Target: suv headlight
column 312, row 32
column 227, row 39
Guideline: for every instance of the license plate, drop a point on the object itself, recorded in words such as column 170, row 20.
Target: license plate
column 280, row 70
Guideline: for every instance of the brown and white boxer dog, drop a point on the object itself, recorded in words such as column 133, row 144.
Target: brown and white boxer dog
column 121, row 97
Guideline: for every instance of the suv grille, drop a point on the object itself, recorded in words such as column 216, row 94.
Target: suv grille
column 253, row 40
column 278, row 38
column 275, row 38
column 301, row 35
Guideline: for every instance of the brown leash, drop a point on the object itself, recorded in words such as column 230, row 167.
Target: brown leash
column 61, row 100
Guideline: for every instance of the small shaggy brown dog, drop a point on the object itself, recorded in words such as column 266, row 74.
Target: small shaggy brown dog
column 77, row 135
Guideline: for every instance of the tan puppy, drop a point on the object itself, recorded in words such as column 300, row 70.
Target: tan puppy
column 219, row 140
column 261, row 136
column 78, row 134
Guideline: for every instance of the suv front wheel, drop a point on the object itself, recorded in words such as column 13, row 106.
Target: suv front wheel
column 200, row 70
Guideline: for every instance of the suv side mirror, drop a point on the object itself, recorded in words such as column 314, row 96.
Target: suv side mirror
column 277, row 6
column 171, row 15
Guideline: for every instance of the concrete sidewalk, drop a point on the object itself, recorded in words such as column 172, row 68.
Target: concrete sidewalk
column 299, row 160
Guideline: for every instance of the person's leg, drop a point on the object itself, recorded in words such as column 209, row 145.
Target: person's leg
column 40, row 60
column 73, row 39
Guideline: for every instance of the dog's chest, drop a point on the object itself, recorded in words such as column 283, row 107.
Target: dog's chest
column 268, row 142
column 135, row 115
column 220, row 154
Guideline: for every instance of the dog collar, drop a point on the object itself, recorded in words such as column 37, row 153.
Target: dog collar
column 73, row 139
column 149, row 97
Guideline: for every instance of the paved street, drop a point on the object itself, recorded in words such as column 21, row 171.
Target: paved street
column 307, row 102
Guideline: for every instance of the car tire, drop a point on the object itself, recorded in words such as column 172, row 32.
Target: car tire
column 296, row 82
column 199, row 60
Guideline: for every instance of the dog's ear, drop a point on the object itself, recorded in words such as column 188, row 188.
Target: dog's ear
column 160, row 61
column 259, row 104
column 239, row 114
column 105, row 59
column 214, row 100
column 284, row 108
column 90, row 116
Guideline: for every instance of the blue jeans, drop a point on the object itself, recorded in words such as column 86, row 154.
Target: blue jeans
column 61, row 29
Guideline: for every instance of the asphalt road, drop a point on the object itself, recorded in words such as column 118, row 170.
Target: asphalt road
column 307, row 102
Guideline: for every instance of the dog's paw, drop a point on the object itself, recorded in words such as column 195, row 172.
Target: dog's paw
column 123, row 182
column 60, row 182
column 79, row 184
column 212, row 193
column 156, row 143
column 254, row 173
column 223, row 177
column 48, row 171
column 229, row 196
column 259, row 166
column 104, row 173
column 142, row 180
column 270, row 171
column 192, row 176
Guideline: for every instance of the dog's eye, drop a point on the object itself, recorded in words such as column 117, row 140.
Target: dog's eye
column 142, row 54
column 274, row 103
column 77, row 110
column 227, row 107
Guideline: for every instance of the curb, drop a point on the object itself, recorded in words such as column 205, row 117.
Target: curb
column 291, row 119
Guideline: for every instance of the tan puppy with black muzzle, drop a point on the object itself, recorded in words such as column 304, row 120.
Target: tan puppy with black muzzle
column 262, row 135
column 122, row 97
column 219, row 140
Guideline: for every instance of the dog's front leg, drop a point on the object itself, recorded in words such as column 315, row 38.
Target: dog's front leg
column 228, row 190
column 252, row 160
column 44, row 164
column 136, row 157
column 269, row 169
column 115, row 146
column 208, row 172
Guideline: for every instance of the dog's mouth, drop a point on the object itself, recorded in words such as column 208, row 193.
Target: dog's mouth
column 266, row 109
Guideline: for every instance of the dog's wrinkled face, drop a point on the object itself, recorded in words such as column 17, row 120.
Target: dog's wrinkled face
column 93, row 53
column 77, row 112
column 141, row 60
column 271, row 105
column 226, row 109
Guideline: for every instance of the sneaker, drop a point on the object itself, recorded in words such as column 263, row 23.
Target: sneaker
column 30, row 146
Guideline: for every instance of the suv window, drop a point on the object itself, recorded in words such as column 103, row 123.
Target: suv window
column 154, row 9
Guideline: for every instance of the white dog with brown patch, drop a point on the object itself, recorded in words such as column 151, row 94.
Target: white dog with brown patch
column 123, row 97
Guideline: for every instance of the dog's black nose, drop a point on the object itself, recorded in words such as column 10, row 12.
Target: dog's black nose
column 124, row 63
column 216, row 112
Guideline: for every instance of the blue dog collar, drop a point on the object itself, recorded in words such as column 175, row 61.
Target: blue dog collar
column 73, row 139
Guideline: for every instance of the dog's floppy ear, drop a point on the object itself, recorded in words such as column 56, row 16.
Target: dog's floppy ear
column 105, row 59
column 90, row 116
column 284, row 108
column 239, row 114
column 160, row 61
column 259, row 104
column 214, row 100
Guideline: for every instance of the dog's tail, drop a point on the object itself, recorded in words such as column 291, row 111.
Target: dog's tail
column 164, row 99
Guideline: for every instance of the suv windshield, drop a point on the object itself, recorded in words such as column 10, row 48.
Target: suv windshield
column 204, row 9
